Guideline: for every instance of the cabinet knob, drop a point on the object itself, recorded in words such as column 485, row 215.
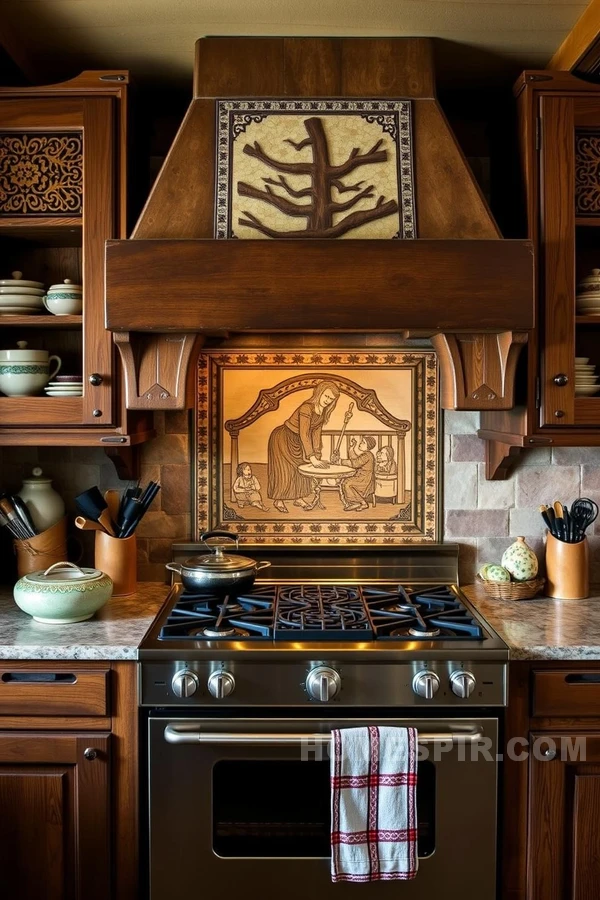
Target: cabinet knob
column 549, row 753
column 90, row 753
column 96, row 413
column 561, row 380
column 95, row 379
column 559, row 413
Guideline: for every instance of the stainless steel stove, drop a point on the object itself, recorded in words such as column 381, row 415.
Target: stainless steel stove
column 241, row 692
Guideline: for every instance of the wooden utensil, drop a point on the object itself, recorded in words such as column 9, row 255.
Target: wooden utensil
column 92, row 505
column 113, row 501
column 88, row 524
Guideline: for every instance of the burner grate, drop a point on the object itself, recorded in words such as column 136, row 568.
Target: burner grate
column 312, row 612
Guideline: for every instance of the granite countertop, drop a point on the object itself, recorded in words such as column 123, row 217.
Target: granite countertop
column 115, row 631
column 543, row 628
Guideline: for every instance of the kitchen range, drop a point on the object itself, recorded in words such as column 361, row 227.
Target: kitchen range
column 241, row 688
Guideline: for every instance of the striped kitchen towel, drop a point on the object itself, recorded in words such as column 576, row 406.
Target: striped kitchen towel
column 374, row 804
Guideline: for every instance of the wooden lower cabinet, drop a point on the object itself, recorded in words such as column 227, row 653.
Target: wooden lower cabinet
column 551, row 817
column 55, row 816
column 564, row 819
column 68, row 780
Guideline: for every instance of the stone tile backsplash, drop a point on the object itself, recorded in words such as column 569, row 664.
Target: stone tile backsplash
column 482, row 517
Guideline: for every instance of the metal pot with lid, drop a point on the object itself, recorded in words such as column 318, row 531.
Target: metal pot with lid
column 217, row 570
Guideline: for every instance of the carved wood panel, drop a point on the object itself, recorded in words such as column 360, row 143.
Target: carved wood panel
column 587, row 172
column 41, row 174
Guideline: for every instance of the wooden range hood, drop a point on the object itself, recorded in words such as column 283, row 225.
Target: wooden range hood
column 459, row 282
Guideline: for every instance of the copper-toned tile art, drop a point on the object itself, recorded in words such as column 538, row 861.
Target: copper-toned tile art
column 318, row 447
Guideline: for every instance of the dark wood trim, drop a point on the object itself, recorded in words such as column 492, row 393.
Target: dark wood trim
column 125, row 787
column 580, row 45
column 240, row 286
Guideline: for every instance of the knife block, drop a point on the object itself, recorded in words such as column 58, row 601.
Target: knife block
column 567, row 569
column 117, row 557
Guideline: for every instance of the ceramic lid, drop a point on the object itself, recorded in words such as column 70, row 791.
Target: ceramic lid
column 74, row 288
column 36, row 478
column 219, row 562
column 23, row 354
column 63, row 572
column 17, row 281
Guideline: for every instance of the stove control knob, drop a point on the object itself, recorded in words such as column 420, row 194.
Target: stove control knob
column 323, row 683
column 426, row 684
column 185, row 683
column 462, row 684
column 221, row 684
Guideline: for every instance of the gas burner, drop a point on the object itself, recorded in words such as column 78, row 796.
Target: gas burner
column 420, row 632
column 219, row 632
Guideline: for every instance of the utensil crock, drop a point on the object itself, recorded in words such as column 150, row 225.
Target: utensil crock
column 567, row 569
column 118, row 558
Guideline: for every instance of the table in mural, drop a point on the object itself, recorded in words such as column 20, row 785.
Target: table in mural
column 334, row 474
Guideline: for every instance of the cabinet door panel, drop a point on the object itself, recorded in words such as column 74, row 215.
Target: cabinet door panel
column 35, row 851
column 54, row 816
column 558, row 265
column 564, row 811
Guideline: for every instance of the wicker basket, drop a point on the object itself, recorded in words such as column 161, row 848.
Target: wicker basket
column 512, row 590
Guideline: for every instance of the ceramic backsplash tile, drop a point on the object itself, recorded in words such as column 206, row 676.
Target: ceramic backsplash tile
column 483, row 517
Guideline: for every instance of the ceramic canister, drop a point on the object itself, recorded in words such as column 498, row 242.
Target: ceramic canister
column 64, row 299
column 24, row 372
column 45, row 505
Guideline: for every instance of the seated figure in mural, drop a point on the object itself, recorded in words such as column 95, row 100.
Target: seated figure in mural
column 246, row 488
column 298, row 442
column 385, row 464
column 358, row 488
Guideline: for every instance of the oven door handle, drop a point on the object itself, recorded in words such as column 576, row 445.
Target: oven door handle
column 173, row 735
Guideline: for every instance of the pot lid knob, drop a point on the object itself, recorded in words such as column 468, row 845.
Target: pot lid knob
column 22, row 345
column 17, row 275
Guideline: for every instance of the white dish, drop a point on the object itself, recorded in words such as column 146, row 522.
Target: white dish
column 21, row 300
column 63, row 394
column 24, row 291
column 65, row 384
column 66, row 390
column 581, row 360
column 586, row 390
column 18, row 281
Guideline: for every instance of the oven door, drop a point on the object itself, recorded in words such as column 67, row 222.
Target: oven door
column 242, row 806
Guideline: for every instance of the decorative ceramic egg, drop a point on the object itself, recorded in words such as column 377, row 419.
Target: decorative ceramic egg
column 520, row 560
column 496, row 573
column 483, row 570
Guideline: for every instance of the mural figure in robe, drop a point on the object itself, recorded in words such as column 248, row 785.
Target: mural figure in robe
column 298, row 442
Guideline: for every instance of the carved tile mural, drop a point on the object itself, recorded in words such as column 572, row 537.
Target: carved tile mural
column 314, row 169
column 41, row 174
column 318, row 447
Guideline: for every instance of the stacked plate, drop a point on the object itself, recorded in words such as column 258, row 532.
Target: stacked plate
column 586, row 380
column 19, row 297
column 65, row 386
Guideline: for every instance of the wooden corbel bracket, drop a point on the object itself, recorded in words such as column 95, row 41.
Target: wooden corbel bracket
column 478, row 370
column 157, row 369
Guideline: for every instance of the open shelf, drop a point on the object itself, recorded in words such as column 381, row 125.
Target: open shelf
column 48, row 321
column 587, row 320
column 52, row 231
column 587, row 221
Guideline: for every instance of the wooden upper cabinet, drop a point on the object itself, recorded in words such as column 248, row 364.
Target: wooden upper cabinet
column 570, row 248
column 62, row 196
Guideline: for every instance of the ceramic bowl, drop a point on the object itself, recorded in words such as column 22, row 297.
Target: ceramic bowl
column 22, row 291
column 588, row 302
column 63, row 594
column 21, row 300
column 591, row 282
column 581, row 360
column 24, row 372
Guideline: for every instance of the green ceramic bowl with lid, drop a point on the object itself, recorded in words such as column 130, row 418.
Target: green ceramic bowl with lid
column 63, row 594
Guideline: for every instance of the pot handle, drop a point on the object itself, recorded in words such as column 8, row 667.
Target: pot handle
column 63, row 565
column 173, row 567
column 224, row 534
column 262, row 565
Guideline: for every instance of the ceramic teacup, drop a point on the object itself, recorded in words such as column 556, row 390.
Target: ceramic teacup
column 64, row 299
column 24, row 373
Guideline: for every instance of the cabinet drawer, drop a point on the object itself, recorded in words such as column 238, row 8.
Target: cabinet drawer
column 56, row 690
column 566, row 693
